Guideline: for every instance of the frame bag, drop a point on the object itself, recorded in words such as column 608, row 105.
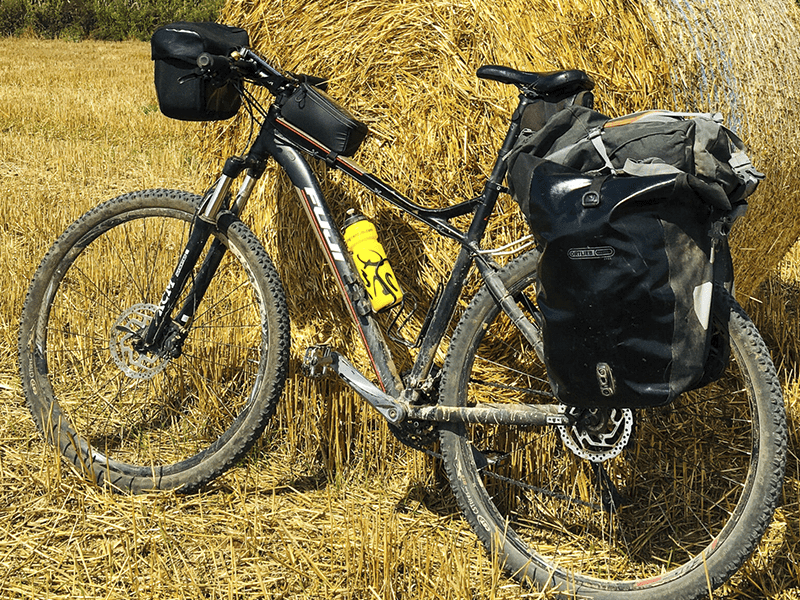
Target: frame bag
column 330, row 125
column 182, row 93
column 630, row 262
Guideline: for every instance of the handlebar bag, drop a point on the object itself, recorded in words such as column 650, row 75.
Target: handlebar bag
column 182, row 93
column 625, row 286
column 327, row 124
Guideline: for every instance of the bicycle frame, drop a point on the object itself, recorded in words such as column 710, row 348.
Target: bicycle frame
column 393, row 398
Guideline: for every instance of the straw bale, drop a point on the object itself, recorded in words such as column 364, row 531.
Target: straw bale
column 407, row 69
column 742, row 58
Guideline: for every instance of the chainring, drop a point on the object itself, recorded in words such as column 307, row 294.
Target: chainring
column 420, row 435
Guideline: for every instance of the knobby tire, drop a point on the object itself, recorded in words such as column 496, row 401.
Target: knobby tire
column 138, row 422
column 681, row 508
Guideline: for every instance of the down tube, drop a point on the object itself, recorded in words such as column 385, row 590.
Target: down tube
column 307, row 187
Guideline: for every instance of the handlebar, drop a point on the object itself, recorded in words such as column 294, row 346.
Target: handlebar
column 246, row 64
column 214, row 65
column 243, row 64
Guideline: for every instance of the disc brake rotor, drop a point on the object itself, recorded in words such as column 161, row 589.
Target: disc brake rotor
column 599, row 434
column 125, row 333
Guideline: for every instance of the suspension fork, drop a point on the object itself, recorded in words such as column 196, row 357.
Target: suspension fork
column 165, row 335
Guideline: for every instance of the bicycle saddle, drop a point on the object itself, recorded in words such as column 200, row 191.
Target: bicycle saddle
column 544, row 84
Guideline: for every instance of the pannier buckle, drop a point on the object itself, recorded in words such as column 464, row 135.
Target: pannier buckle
column 591, row 199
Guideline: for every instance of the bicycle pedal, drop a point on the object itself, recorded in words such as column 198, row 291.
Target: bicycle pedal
column 317, row 361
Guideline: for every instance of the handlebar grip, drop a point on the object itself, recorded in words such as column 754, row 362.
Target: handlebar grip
column 212, row 64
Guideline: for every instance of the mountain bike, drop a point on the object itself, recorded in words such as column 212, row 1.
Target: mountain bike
column 154, row 347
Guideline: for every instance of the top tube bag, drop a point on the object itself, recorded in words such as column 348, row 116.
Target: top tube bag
column 182, row 93
column 328, row 124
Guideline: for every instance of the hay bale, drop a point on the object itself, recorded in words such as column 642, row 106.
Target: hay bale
column 408, row 70
column 742, row 59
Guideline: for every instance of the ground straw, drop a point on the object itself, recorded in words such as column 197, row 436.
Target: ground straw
column 328, row 505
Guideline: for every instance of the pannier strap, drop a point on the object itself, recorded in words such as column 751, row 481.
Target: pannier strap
column 644, row 169
column 597, row 141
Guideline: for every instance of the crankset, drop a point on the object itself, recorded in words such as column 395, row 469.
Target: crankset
column 420, row 435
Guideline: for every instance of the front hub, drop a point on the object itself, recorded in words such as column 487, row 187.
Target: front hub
column 126, row 336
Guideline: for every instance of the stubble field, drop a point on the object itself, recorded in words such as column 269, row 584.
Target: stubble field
column 79, row 124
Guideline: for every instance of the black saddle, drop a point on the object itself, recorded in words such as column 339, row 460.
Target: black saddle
column 554, row 83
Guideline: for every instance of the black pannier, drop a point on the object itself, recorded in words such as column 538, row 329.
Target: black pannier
column 629, row 263
column 314, row 112
column 181, row 93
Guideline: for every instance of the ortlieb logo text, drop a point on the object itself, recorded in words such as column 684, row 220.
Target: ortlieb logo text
column 587, row 253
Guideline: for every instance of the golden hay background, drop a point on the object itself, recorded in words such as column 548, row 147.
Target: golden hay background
column 339, row 511
column 407, row 69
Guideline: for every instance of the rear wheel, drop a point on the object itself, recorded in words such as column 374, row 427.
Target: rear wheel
column 139, row 420
column 655, row 503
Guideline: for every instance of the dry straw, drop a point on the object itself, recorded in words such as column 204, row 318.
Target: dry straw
column 742, row 58
column 280, row 525
column 408, row 70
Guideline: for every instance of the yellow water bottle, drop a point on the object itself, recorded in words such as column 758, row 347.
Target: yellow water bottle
column 371, row 262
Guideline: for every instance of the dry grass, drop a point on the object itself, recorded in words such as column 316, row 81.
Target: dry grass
column 742, row 59
column 341, row 511
column 80, row 124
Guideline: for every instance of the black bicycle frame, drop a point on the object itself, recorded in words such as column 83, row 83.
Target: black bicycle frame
column 394, row 399
column 284, row 142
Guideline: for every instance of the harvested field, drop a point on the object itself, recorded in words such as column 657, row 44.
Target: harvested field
column 339, row 512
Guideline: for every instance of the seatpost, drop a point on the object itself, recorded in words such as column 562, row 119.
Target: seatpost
column 494, row 185
column 500, row 166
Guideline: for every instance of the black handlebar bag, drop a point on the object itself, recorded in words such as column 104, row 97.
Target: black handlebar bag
column 182, row 93
column 626, row 285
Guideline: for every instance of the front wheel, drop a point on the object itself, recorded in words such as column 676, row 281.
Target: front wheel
column 677, row 506
column 138, row 420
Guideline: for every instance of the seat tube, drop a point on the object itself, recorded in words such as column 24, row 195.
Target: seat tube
column 500, row 166
column 494, row 185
